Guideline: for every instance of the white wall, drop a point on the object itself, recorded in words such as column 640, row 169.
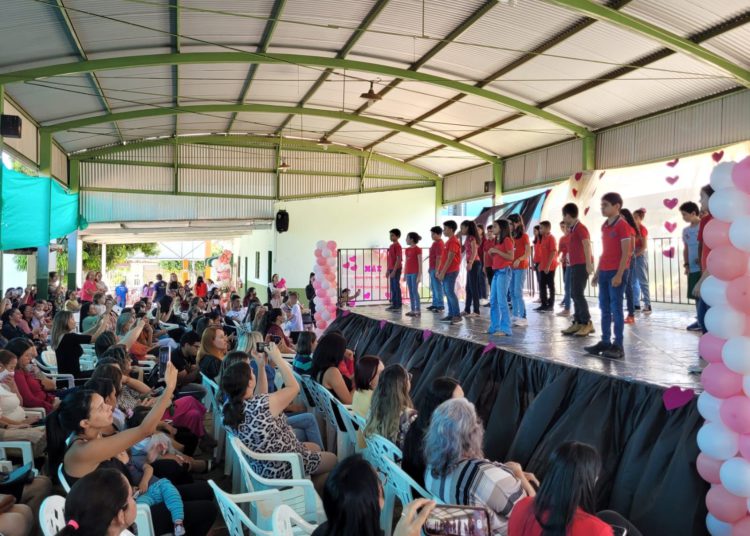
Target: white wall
column 354, row 221
column 257, row 241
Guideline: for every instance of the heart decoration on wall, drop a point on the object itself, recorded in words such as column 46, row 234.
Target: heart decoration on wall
column 670, row 226
column 717, row 156
column 367, row 295
column 669, row 253
column 575, row 192
column 673, row 163
column 353, row 267
column 353, row 258
column 586, row 211
column 578, row 176
column 345, row 265
column 672, row 180
column 671, row 203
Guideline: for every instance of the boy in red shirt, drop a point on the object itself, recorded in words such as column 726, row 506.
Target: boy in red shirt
column 413, row 272
column 447, row 272
column 547, row 266
column 640, row 270
column 613, row 265
column 563, row 254
column 393, row 273
column 581, row 266
column 436, row 287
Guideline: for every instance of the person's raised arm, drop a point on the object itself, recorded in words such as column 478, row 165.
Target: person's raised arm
column 279, row 400
column 338, row 386
column 132, row 336
column 261, row 378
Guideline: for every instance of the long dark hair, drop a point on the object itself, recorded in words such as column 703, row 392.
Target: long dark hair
column 471, row 229
column 18, row 345
column 84, row 313
column 364, row 371
column 234, row 384
column 111, row 373
column 305, row 342
column 62, row 422
column 101, row 386
column 440, row 390
column 569, row 484
column 520, row 228
column 94, row 501
column 329, row 353
column 270, row 319
column 504, row 226
column 351, row 499
column 537, row 233
column 628, row 217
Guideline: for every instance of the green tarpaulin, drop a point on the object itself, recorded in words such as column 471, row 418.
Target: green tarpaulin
column 35, row 210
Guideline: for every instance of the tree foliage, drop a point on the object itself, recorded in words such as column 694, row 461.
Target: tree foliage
column 92, row 256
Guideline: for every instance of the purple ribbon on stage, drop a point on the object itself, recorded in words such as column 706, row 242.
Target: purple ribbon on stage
column 490, row 346
column 382, row 324
column 426, row 334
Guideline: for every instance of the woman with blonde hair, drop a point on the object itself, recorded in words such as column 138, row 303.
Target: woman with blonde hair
column 67, row 343
column 214, row 345
column 391, row 409
column 259, row 321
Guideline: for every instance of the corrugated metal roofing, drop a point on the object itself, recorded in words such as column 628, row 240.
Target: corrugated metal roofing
column 237, row 27
column 237, row 183
column 519, row 135
column 446, row 161
column 684, row 17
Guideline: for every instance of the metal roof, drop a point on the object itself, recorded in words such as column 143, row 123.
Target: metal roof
column 548, row 56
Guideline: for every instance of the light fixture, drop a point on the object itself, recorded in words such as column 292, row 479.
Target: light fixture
column 283, row 167
column 371, row 96
column 324, row 142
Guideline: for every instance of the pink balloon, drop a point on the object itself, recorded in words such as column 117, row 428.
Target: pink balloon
column 742, row 527
column 727, row 263
column 738, row 294
column 716, row 234
column 710, row 346
column 322, row 324
column 331, row 245
column 745, row 446
column 321, row 261
column 721, row 382
column 709, row 468
column 735, row 413
column 320, row 293
column 725, row 506
column 319, row 252
column 741, row 174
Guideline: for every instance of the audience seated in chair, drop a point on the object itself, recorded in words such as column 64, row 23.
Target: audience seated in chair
column 391, row 411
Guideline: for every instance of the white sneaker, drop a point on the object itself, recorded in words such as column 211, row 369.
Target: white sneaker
column 521, row 322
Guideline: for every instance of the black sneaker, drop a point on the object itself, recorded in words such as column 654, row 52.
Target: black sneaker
column 431, row 308
column 447, row 319
column 540, row 309
column 615, row 351
column 598, row 348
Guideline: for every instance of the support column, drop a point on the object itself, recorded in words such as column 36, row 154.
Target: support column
column 104, row 263
column 75, row 261
column 589, row 152
column 42, row 271
column 45, row 153
column 438, row 202
column 498, row 168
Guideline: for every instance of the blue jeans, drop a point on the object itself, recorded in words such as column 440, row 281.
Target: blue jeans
column 610, row 303
column 703, row 308
column 449, row 288
column 483, row 294
column 395, row 283
column 627, row 281
column 411, row 284
column 436, row 287
column 640, row 281
column 566, row 285
column 499, row 312
column 516, row 292
column 305, row 427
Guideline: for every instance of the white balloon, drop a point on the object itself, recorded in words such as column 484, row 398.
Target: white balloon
column 746, row 385
column 739, row 234
column 717, row 441
column 325, row 284
column 721, row 176
column 325, row 314
column 714, row 291
column 326, row 253
column 709, row 407
column 736, row 355
column 729, row 205
column 725, row 322
column 321, row 244
column 735, row 476
column 716, row 527
column 331, row 261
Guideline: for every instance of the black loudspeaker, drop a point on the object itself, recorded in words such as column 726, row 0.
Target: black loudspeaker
column 10, row 126
column 282, row 221
column 489, row 187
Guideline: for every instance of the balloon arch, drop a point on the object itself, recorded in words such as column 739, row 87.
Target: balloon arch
column 326, row 255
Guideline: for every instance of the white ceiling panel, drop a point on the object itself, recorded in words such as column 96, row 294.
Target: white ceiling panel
column 409, row 100
column 281, row 83
column 311, row 127
column 203, row 123
column 219, row 83
column 447, row 161
column 403, row 146
column 519, row 135
column 126, row 88
column 57, row 99
column 223, row 22
column 466, row 115
column 732, row 45
column 338, row 93
column 256, row 123
column 85, row 138
column 684, row 17
column 358, row 134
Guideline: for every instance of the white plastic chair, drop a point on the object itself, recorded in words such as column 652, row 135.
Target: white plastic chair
column 307, row 397
column 398, row 485
column 286, row 522
column 351, row 426
column 212, row 405
column 235, row 519
column 324, row 403
column 52, row 515
column 27, row 454
column 297, row 492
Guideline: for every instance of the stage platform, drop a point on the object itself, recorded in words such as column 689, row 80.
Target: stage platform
column 658, row 348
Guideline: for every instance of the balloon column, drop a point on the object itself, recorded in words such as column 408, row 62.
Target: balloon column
column 325, row 283
column 724, row 439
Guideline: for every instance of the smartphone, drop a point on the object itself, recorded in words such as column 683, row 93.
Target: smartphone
column 619, row 531
column 261, row 347
column 117, row 309
column 165, row 354
column 450, row 520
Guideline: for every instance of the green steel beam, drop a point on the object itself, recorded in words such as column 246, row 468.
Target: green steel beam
column 262, row 142
column 74, row 175
column 277, row 185
column 76, row 42
column 179, row 194
column 364, row 25
column 354, row 192
column 125, row 62
column 175, row 23
column 668, row 39
column 498, row 177
column 176, row 166
column 265, row 41
column 45, row 154
column 589, row 152
column 434, row 51
column 263, row 108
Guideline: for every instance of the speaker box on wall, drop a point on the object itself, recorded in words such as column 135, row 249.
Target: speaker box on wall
column 10, row 126
column 282, row 221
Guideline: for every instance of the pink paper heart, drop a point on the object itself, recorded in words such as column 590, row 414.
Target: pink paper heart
column 426, row 334
column 387, row 295
column 670, row 203
column 345, row 265
column 367, row 295
column 575, row 192
column 345, row 313
column 490, row 346
column 673, row 163
column 672, row 180
column 669, row 226
column 601, row 175
column 578, row 176
column 586, row 211
column 353, row 267
column 352, row 303
column 353, row 258
column 382, row 324
column 669, row 253
column 717, row 156
column 676, row 397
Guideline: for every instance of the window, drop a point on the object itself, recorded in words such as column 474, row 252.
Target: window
column 257, row 265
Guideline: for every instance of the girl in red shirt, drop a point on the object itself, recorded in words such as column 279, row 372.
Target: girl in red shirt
column 413, row 272
column 520, row 267
column 473, row 266
column 502, row 253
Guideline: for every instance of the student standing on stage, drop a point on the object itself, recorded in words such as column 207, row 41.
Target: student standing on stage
column 690, row 252
column 393, row 273
column 627, row 279
column 450, row 264
column 521, row 254
column 473, row 267
column 613, row 263
column 489, row 240
column 483, row 283
column 436, row 287
column 640, row 270
column 502, row 256
column 562, row 252
column 536, row 258
column 413, row 272
column 547, row 266
column 581, row 265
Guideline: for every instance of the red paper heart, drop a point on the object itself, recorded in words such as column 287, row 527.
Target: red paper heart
column 387, row 295
column 601, row 174
column 353, row 267
column 676, row 397
column 578, row 176
column 717, row 156
column 673, row 163
column 669, row 253
column 672, row 180
column 575, row 192
column 671, row 203
column 585, row 212
column 367, row 295
column 669, row 226
column 345, row 265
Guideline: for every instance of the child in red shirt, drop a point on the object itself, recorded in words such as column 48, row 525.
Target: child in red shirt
column 489, row 241
column 393, row 273
column 450, row 264
column 502, row 254
column 640, row 268
column 565, row 261
column 436, row 287
column 413, row 272
column 520, row 266
column 547, row 265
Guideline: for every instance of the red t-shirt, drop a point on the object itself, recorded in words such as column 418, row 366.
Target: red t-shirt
column 548, row 248
column 612, row 236
column 705, row 250
column 536, row 254
column 562, row 247
column 640, row 242
column 484, row 252
column 412, row 259
column 452, row 245
column 523, row 522
column 436, row 251
column 577, row 235
column 468, row 244
column 498, row 263
column 394, row 254
column 88, row 290
column 520, row 245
